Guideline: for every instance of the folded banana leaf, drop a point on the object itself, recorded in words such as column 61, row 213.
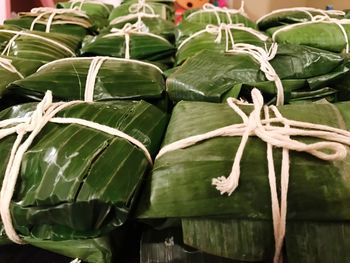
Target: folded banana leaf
column 73, row 170
column 306, row 74
column 89, row 250
column 38, row 45
column 210, row 14
column 142, row 46
column 180, row 186
column 281, row 17
column 207, row 39
column 164, row 11
column 154, row 25
column 97, row 11
column 12, row 69
column 324, row 35
column 70, row 22
column 117, row 79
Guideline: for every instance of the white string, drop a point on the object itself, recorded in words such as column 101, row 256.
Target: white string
column 306, row 10
column 52, row 12
column 82, row 2
column 94, row 68
column 210, row 8
column 22, row 33
column 141, row 7
column 7, row 64
column 131, row 29
column 77, row 260
column 109, row 58
column 332, row 148
column 320, row 19
column 217, row 30
column 44, row 113
column 263, row 57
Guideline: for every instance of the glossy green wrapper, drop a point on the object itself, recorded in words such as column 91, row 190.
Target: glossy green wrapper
column 306, row 73
column 286, row 17
column 43, row 47
column 117, row 79
column 98, row 12
column 239, row 226
column 144, row 47
column 77, row 184
column 322, row 35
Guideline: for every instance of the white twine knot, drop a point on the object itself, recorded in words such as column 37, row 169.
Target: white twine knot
column 263, row 57
column 52, row 12
column 210, row 8
column 126, row 31
column 141, row 7
column 7, row 64
column 217, row 30
column 331, row 149
column 82, row 2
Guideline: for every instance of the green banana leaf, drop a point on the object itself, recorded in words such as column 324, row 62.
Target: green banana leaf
column 24, row 67
column 71, row 30
column 116, row 79
column 88, row 250
column 287, row 16
column 180, row 183
column 207, row 41
column 71, row 22
column 246, row 240
column 67, row 171
column 320, row 242
column 97, row 11
column 205, row 17
column 213, row 76
column 38, row 45
column 180, row 187
column 252, row 240
column 165, row 12
column 154, row 25
column 142, row 46
column 323, row 35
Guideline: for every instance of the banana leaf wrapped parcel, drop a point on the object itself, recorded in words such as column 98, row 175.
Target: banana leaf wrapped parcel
column 322, row 32
column 236, row 149
column 286, row 16
column 43, row 46
column 220, row 39
column 131, row 42
column 147, row 23
column 290, row 71
column 79, row 166
column 97, row 11
column 94, row 79
column 67, row 21
column 197, row 19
